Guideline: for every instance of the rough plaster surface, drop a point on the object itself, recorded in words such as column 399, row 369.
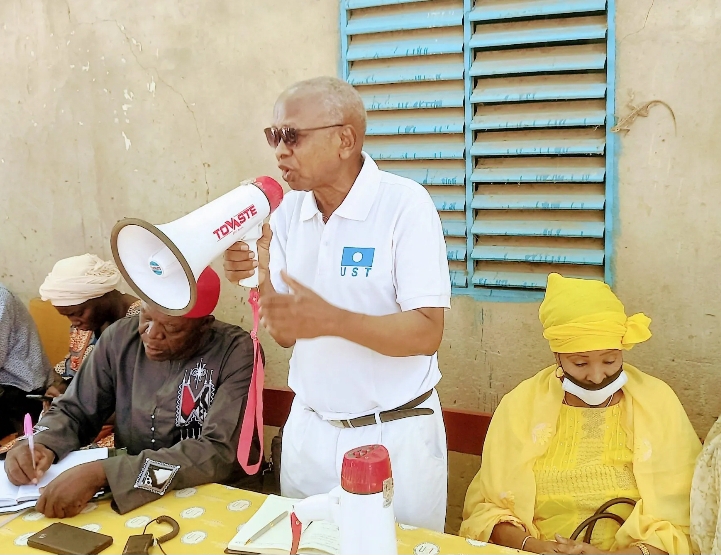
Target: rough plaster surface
column 148, row 109
column 669, row 245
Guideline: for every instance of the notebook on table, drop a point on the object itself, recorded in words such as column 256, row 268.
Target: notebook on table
column 18, row 497
column 319, row 537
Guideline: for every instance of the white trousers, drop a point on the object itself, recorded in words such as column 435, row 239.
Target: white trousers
column 313, row 453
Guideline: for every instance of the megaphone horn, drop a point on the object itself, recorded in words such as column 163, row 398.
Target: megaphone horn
column 162, row 263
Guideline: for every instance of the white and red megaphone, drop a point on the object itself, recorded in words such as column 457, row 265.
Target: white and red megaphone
column 162, row 263
column 362, row 506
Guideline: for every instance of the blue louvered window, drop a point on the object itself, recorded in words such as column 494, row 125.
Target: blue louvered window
column 501, row 108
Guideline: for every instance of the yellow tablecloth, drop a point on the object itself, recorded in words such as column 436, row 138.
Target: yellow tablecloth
column 209, row 516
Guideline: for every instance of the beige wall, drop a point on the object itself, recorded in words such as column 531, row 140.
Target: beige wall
column 147, row 109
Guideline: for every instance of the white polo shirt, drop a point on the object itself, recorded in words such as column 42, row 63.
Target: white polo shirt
column 381, row 252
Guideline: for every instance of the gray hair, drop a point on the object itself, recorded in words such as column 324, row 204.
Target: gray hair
column 341, row 100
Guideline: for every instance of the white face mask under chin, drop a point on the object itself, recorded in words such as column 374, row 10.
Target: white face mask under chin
column 595, row 397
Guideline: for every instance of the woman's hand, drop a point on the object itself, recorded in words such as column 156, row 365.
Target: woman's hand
column 510, row 535
column 572, row 547
column 543, row 547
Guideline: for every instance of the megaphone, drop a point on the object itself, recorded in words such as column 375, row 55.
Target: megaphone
column 162, row 263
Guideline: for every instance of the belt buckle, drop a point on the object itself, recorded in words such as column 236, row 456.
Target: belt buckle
column 336, row 423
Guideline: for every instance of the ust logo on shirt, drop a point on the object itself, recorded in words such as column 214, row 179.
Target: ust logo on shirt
column 359, row 260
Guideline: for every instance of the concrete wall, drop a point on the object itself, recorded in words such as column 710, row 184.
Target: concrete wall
column 148, row 109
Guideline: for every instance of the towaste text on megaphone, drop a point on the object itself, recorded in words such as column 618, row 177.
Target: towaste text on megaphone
column 162, row 263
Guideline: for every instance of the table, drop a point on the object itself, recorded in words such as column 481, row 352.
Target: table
column 209, row 517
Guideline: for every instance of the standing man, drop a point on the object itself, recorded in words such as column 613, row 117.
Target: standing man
column 354, row 276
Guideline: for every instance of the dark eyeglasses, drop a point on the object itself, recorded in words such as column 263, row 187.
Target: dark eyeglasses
column 290, row 135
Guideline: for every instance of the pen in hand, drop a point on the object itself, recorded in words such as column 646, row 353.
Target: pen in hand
column 28, row 429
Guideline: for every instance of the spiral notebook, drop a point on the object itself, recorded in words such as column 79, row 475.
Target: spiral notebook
column 318, row 537
column 19, row 497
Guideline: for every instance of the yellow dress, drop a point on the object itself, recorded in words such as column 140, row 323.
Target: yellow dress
column 588, row 462
column 525, row 438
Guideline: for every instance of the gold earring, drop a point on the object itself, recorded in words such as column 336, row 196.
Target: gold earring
column 558, row 367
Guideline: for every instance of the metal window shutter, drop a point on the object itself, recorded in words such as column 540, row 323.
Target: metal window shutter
column 538, row 97
column 501, row 109
column 406, row 60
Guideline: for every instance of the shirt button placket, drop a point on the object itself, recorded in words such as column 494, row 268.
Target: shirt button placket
column 323, row 253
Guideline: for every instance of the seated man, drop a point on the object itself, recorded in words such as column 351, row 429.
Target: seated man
column 83, row 288
column 24, row 368
column 177, row 385
column 584, row 431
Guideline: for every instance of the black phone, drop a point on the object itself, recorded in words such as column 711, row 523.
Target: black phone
column 40, row 398
column 64, row 539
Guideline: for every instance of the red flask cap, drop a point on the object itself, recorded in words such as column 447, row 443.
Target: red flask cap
column 365, row 469
column 272, row 189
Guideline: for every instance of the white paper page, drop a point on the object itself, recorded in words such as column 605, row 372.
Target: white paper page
column 15, row 508
column 321, row 535
column 272, row 507
column 71, row 460
column 8, row 492
column 278, row 538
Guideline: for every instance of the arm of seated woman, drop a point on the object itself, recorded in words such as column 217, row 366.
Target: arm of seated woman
column 510, row 535
column 513, row 536
column 572, row 547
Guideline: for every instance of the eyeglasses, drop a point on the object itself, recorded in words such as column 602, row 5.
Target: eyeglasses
column 290, row 135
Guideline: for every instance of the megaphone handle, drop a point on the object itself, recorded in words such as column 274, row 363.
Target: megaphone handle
column 251, row 281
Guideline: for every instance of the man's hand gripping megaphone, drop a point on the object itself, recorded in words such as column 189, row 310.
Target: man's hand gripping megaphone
column 240, row 263
column 301, row 314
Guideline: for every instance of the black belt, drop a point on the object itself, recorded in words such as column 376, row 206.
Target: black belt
column 404, row 411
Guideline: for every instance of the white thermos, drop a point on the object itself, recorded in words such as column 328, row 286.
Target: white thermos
column 362, row 506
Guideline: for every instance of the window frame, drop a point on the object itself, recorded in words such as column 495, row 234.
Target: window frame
column 610, row 211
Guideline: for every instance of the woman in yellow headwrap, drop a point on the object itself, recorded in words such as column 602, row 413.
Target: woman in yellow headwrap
column 586, row 430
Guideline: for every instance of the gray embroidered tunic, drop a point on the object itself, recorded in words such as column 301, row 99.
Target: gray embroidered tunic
column 179, row 420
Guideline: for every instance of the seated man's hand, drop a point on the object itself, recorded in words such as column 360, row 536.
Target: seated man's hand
column 19, row 463
column 54, row 391
column 69, row 493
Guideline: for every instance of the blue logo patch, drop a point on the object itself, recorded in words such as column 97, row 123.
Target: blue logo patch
column 360, row 258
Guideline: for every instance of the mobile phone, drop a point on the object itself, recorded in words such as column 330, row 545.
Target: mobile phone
column 63, row 539
column 138, row 545
column 40, row 398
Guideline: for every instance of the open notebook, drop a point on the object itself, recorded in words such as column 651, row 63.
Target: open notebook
column 14, row 496
column 319, row 537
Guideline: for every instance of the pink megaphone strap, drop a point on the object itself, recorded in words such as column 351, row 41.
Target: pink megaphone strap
column 254, row 407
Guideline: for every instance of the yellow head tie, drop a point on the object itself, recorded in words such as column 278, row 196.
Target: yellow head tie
column 580, row 315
